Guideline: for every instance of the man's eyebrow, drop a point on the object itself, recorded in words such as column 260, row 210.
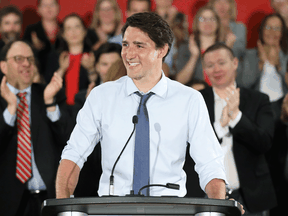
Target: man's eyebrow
column 134, row 42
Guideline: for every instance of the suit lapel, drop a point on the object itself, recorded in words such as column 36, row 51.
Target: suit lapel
column 36, row 110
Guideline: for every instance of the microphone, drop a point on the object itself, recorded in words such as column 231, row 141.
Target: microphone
column 111, row 186
column 168, row 185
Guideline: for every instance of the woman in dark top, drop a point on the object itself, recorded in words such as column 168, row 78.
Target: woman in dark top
column 43, row 34
column 73, row 59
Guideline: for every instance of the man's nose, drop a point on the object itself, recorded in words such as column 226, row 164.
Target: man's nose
column 26, row 63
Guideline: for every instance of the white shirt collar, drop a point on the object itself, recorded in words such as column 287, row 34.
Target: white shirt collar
column 159, row 89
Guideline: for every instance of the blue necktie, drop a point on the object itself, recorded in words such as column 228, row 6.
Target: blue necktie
column 141, row 153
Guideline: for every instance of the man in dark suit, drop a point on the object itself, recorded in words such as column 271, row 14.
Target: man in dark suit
column 34, row 127
column 243, row 122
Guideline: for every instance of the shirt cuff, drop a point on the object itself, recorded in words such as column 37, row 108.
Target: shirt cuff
column 8, row 118
column 55, row 115
column 220, row 131
column 234, row 122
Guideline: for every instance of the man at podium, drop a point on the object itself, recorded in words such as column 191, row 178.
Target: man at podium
column 169, row 115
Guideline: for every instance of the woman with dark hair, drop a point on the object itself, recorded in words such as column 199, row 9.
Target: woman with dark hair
column 263, row 68
column 73, row 59
column 206, row 32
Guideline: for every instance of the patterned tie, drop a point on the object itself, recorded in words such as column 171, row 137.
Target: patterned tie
column 141, row 154
column 23, row 165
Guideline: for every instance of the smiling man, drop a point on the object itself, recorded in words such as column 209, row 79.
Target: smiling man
column 243, row 121
column 34, row 126
column 169, row 115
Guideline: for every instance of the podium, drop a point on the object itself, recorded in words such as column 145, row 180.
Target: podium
column 140, row 206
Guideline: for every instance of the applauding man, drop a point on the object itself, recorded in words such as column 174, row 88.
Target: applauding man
column 34, row 127
column 243, row 122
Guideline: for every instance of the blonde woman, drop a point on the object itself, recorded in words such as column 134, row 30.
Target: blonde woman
column 106, row 22
column 233, row 33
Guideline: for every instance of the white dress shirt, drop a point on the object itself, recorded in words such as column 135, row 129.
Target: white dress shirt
column 271, row 82
column 177, row 115
column 35, row 182
column 227, row 142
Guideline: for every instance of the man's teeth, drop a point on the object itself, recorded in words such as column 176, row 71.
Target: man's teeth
column 132, row 64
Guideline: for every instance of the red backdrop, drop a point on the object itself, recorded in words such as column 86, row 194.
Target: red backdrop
column 250, row 12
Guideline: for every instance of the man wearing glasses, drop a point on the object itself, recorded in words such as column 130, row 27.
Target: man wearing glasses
column 34, row 127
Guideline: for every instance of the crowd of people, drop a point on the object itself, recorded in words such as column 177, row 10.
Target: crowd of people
column 57, row 64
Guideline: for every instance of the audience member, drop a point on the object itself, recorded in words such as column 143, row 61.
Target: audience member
column 232, row 32
column 106, row 22
column 10, row 26
column 206, row 31
column 74, row 59
column 34, row 123
column 264, row 67
column 243, row 122
column 42, row 35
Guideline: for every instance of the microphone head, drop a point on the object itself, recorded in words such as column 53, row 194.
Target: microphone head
column 135, row 119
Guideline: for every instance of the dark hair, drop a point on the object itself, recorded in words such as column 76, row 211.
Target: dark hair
column 7, row 47
column 63, row 45
column 107, row 48
column 129, row 2
column 218, row 46
column 151, row 23
column 283, row 40
column 195, row 81
column 10, row 9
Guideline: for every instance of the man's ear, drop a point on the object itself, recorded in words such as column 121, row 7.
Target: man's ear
column 163, row 51
column 3, row 67
column 235, row 62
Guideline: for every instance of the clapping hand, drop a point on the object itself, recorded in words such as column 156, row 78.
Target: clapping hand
column 193, row 48
column 10, row 98
column 233, row 100
column 88, row 60
column 63, row 63
column 52, row 89
column 284, row 110
column 37, row 43
column 230, row 39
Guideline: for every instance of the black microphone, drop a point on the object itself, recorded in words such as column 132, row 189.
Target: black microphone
column 111, row 186
column 168, row 185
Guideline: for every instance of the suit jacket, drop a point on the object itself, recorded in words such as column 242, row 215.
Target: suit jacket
column 48, row 140
column 252, row 138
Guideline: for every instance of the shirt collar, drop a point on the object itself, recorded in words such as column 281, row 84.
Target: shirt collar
column 159, row 89
column 16, row 91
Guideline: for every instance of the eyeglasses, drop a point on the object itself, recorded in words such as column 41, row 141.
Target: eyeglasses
column 205, row 19
column 19, row 59
column 276, row 28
